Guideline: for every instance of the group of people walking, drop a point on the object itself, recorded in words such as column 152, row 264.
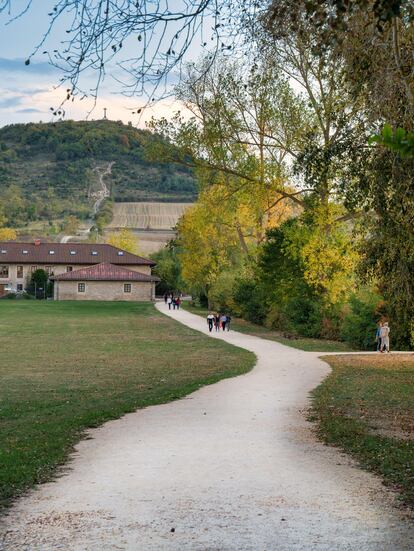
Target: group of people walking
column 382, row 337
column 218, row 321
column 172, row 301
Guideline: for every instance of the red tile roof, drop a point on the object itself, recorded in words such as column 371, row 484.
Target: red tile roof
column 104, row 272
column 11, row 252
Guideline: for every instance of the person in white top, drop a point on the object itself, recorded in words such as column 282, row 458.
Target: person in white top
column 169, row 302
column 210, row 321
column 385, row 338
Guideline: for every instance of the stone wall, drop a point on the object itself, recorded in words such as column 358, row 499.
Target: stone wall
column 104, row 290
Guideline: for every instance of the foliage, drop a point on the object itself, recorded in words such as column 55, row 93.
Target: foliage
column 399, row 140
column 104, row 215
column 40, row 277
column 70, row 225
column 359, row 326
column 124, row 239
column 221, row 293
column 249, row 299
column 7, row 234
column 168, row 268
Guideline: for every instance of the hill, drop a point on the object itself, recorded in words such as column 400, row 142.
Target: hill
column 50, row 170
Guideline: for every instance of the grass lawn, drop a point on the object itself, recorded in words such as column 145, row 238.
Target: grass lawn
column 366, row 407
column 67, row 366
column 302, row 343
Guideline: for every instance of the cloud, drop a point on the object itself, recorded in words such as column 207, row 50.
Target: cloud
column 30, row 110
column 17, row 65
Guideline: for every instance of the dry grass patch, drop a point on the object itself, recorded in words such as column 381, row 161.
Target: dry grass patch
column 366, row 407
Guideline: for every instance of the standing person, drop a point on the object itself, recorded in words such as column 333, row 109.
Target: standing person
column 165, row 297
column 223, row 321
column 169, row 302
column 217, row 322
column 178, row 302
column 228, row 323
column 385, row 338
column 378, row 337
column 210, row 321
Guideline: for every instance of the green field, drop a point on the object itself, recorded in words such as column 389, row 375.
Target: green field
column 301, row 343
column 67, row 366
column 366, row 407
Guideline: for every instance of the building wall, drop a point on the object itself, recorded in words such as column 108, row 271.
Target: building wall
column 13, row 280
column 104, row 290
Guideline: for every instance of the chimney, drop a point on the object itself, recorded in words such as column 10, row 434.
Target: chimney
column 37, row 242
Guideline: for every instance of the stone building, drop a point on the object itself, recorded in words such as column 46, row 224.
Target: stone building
column 119, row 275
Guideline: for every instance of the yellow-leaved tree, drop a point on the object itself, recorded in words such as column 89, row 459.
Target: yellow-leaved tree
column 124, row 239
column 7, row 234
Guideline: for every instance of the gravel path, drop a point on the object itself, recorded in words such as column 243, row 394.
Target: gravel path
column 234, row 466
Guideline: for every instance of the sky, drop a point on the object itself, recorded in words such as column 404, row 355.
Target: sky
column 27, row 92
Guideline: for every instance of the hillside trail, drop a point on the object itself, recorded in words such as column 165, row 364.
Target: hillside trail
column 98, row 195
column 233, row 466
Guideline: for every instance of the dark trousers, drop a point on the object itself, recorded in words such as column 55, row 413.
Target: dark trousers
column 210, row 326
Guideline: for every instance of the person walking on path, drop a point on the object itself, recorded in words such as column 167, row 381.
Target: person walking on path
column 210, row 321
column 228, row 322
column 178, row 302
column 165, row 297
column 385, row 338
column 217, row 322
column 223, row 321
column 378, row 337
column 169, row 302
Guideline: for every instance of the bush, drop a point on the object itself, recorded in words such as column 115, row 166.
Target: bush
column 221, row 293
column 249, row 300
column 359, row 326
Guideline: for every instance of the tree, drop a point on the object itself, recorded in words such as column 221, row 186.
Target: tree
column 38, row 284
column 168, row 268
column 70, row 225
column 7, row 234
column 162, row 35
column 373, row 42
column 124, row 239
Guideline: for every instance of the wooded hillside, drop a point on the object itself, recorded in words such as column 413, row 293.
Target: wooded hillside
column 52, row 166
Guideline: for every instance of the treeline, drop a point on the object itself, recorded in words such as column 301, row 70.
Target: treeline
column 304, row 219
column 49, row 168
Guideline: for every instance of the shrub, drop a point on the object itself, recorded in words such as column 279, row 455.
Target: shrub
column 359, row 326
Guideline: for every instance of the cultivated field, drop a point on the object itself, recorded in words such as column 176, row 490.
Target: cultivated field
column 147, row 216
column 66, row 366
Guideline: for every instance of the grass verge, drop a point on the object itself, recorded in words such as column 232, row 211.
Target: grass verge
column 68, row 366
column 366, row 407
column 301, row 343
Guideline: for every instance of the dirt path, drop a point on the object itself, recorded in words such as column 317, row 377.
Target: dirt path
column 234, row 466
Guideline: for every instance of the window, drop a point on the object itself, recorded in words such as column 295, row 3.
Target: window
column 94, row 253
column 69, row 268
column 127, row 287
column 72, row 252
column 51, row 252
column 33, row 268
column 3, row 251
column 25, row 251
column 20, row 272
column 20, row 286
column 4, row 271
column 120, row 253
column 49, row 270
column 81, row 287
